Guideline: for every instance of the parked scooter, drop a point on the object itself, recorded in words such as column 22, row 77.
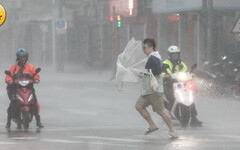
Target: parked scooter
column 219, row 77
column 183, row 93
column 25, row 100
column 222, row 72
column 236, row 87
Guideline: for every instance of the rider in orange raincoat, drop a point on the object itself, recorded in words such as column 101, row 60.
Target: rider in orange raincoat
column 19, row 70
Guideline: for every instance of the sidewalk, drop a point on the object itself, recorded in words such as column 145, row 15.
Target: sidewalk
column 76, row 73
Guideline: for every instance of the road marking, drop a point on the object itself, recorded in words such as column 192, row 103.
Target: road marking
column 7, row 143
column 24, row 138
column 75, row 111
column 111, row 139
column 85, row 142
column 233, row 137
column 60, row 141
column 124, row 145
column 93, row 128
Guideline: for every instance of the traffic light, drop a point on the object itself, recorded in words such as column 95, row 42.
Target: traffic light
column 111, row 18
column 116, row 20
column 119, row 21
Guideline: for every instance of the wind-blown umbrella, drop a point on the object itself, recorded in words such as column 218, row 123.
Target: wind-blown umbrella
column 130, row 63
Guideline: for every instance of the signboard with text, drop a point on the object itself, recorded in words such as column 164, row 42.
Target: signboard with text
column 171, row 6
column 226, row 4
column 174, row 6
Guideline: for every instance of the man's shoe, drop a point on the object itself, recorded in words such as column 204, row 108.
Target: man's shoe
column 174, row 134
column 195, row 122
column 150, row 131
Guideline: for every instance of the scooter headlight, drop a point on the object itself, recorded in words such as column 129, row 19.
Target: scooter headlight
column 19, row 97
column 181, row 76
column 24, row 82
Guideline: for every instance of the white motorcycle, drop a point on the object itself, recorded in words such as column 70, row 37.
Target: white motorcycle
column 182, row 94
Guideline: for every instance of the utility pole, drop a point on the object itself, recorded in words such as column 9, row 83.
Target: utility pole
column 58, row 36
column 60, row 39
column 203, row 32
column 210, row 50
column 44, row 29
column 54, row 33
column 183, row 36
column 100, row 41
column 115, row 41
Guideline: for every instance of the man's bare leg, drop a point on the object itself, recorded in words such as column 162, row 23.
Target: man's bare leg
column 146, row 115
column 167, row 120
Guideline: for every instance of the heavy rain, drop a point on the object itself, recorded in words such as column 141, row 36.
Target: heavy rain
column 103, row 62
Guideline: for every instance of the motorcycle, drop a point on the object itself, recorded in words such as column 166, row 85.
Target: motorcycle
column 25, row 100
column 223, row 71
column 182, row 92
column 218, row 78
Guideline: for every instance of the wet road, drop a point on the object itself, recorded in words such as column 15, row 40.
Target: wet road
column 86, row 111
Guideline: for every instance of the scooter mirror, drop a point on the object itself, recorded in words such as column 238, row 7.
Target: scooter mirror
column 8, row 73
column 38, row 70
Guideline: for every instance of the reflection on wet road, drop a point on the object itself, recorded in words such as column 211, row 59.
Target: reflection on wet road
column 96, row 116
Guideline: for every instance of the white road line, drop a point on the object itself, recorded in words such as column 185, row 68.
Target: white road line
column 57, row 129
column 233, row 137
column 24, row 138
column 124, row 145
column 85, row 142
column 75, row 111
column 7, row 143
column 111, row 139
column 60, row 141
column 95, row 128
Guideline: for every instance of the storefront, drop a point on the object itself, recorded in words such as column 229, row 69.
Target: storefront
column 201, row 28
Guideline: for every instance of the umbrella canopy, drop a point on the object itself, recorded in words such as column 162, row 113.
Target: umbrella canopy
column 130, row 63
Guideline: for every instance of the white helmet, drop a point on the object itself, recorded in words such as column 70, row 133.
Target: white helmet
column 173, row 49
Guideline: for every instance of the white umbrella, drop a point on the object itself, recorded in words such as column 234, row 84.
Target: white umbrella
column 130, row 63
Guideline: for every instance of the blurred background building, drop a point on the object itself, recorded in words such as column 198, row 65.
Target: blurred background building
column 62, row 33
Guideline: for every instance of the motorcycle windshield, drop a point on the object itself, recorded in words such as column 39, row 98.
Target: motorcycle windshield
column 21, row 76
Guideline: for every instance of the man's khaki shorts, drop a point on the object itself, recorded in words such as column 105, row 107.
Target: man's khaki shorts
column 155, row 100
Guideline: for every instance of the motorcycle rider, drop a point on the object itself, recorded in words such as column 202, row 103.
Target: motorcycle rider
column 19, row 70
column 172, row 65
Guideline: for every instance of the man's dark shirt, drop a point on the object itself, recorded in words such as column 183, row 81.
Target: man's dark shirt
column 154, row 64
